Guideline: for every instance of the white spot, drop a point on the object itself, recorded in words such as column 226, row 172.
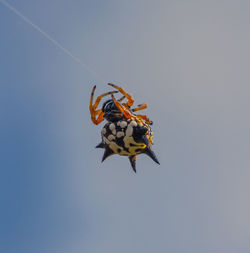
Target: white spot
column 104, row 131
column 106, row 140
column 119, row 134
column 114, row 132
column 123, row 124
column 133, row 123
column 111, row 137
column 112, row 126
column 129, row 131
column 118, row 123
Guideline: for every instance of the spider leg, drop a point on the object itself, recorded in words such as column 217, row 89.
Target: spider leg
column 99, row 116
column 92, row 108
column 140, row 107
column 120, row 99
column 123, row 92
column 98, row 99
column 145, row 118
column 127, row 113
column 123, row 109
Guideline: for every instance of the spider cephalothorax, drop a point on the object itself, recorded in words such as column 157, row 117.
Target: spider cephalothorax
column 125, row 133
column 111, row 112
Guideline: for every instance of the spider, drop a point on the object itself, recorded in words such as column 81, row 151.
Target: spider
column 113, row 109
column 125, row 133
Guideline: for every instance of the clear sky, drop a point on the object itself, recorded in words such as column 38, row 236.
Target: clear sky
column 189, row 61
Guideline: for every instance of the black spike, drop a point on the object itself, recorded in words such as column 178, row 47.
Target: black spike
column 108, row 152
column 132, row 160
column 151, row 154
column 145, row 139
column 100, row 145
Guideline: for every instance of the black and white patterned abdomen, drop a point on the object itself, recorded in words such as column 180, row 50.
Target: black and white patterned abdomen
column 127, row 137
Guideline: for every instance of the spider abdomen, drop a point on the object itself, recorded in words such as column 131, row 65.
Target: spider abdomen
column 127, row 138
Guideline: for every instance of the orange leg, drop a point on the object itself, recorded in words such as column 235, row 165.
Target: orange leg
column 123, row 109
column 92, row 108
column 145, row 118
column 121, row 98
column 127, row 113
column 98, row 99
column 140, row 107
column 99, row 118
column 123, row 92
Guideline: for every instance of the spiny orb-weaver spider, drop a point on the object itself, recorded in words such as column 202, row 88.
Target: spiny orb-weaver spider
column 125, row 133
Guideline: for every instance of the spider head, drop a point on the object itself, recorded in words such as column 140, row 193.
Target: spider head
column 111, row 112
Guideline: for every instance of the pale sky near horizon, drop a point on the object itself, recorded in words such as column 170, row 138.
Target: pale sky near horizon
column 189, row 61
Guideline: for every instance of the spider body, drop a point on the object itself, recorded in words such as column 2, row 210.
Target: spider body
column 111, row 112
column 125, row 133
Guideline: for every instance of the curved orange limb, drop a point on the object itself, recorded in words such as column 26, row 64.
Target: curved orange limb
column 97, row 115
column 127, row 113
column 123, row 92
column 140, row 107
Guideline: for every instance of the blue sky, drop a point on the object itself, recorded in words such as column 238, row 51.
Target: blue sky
column 189, row 61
